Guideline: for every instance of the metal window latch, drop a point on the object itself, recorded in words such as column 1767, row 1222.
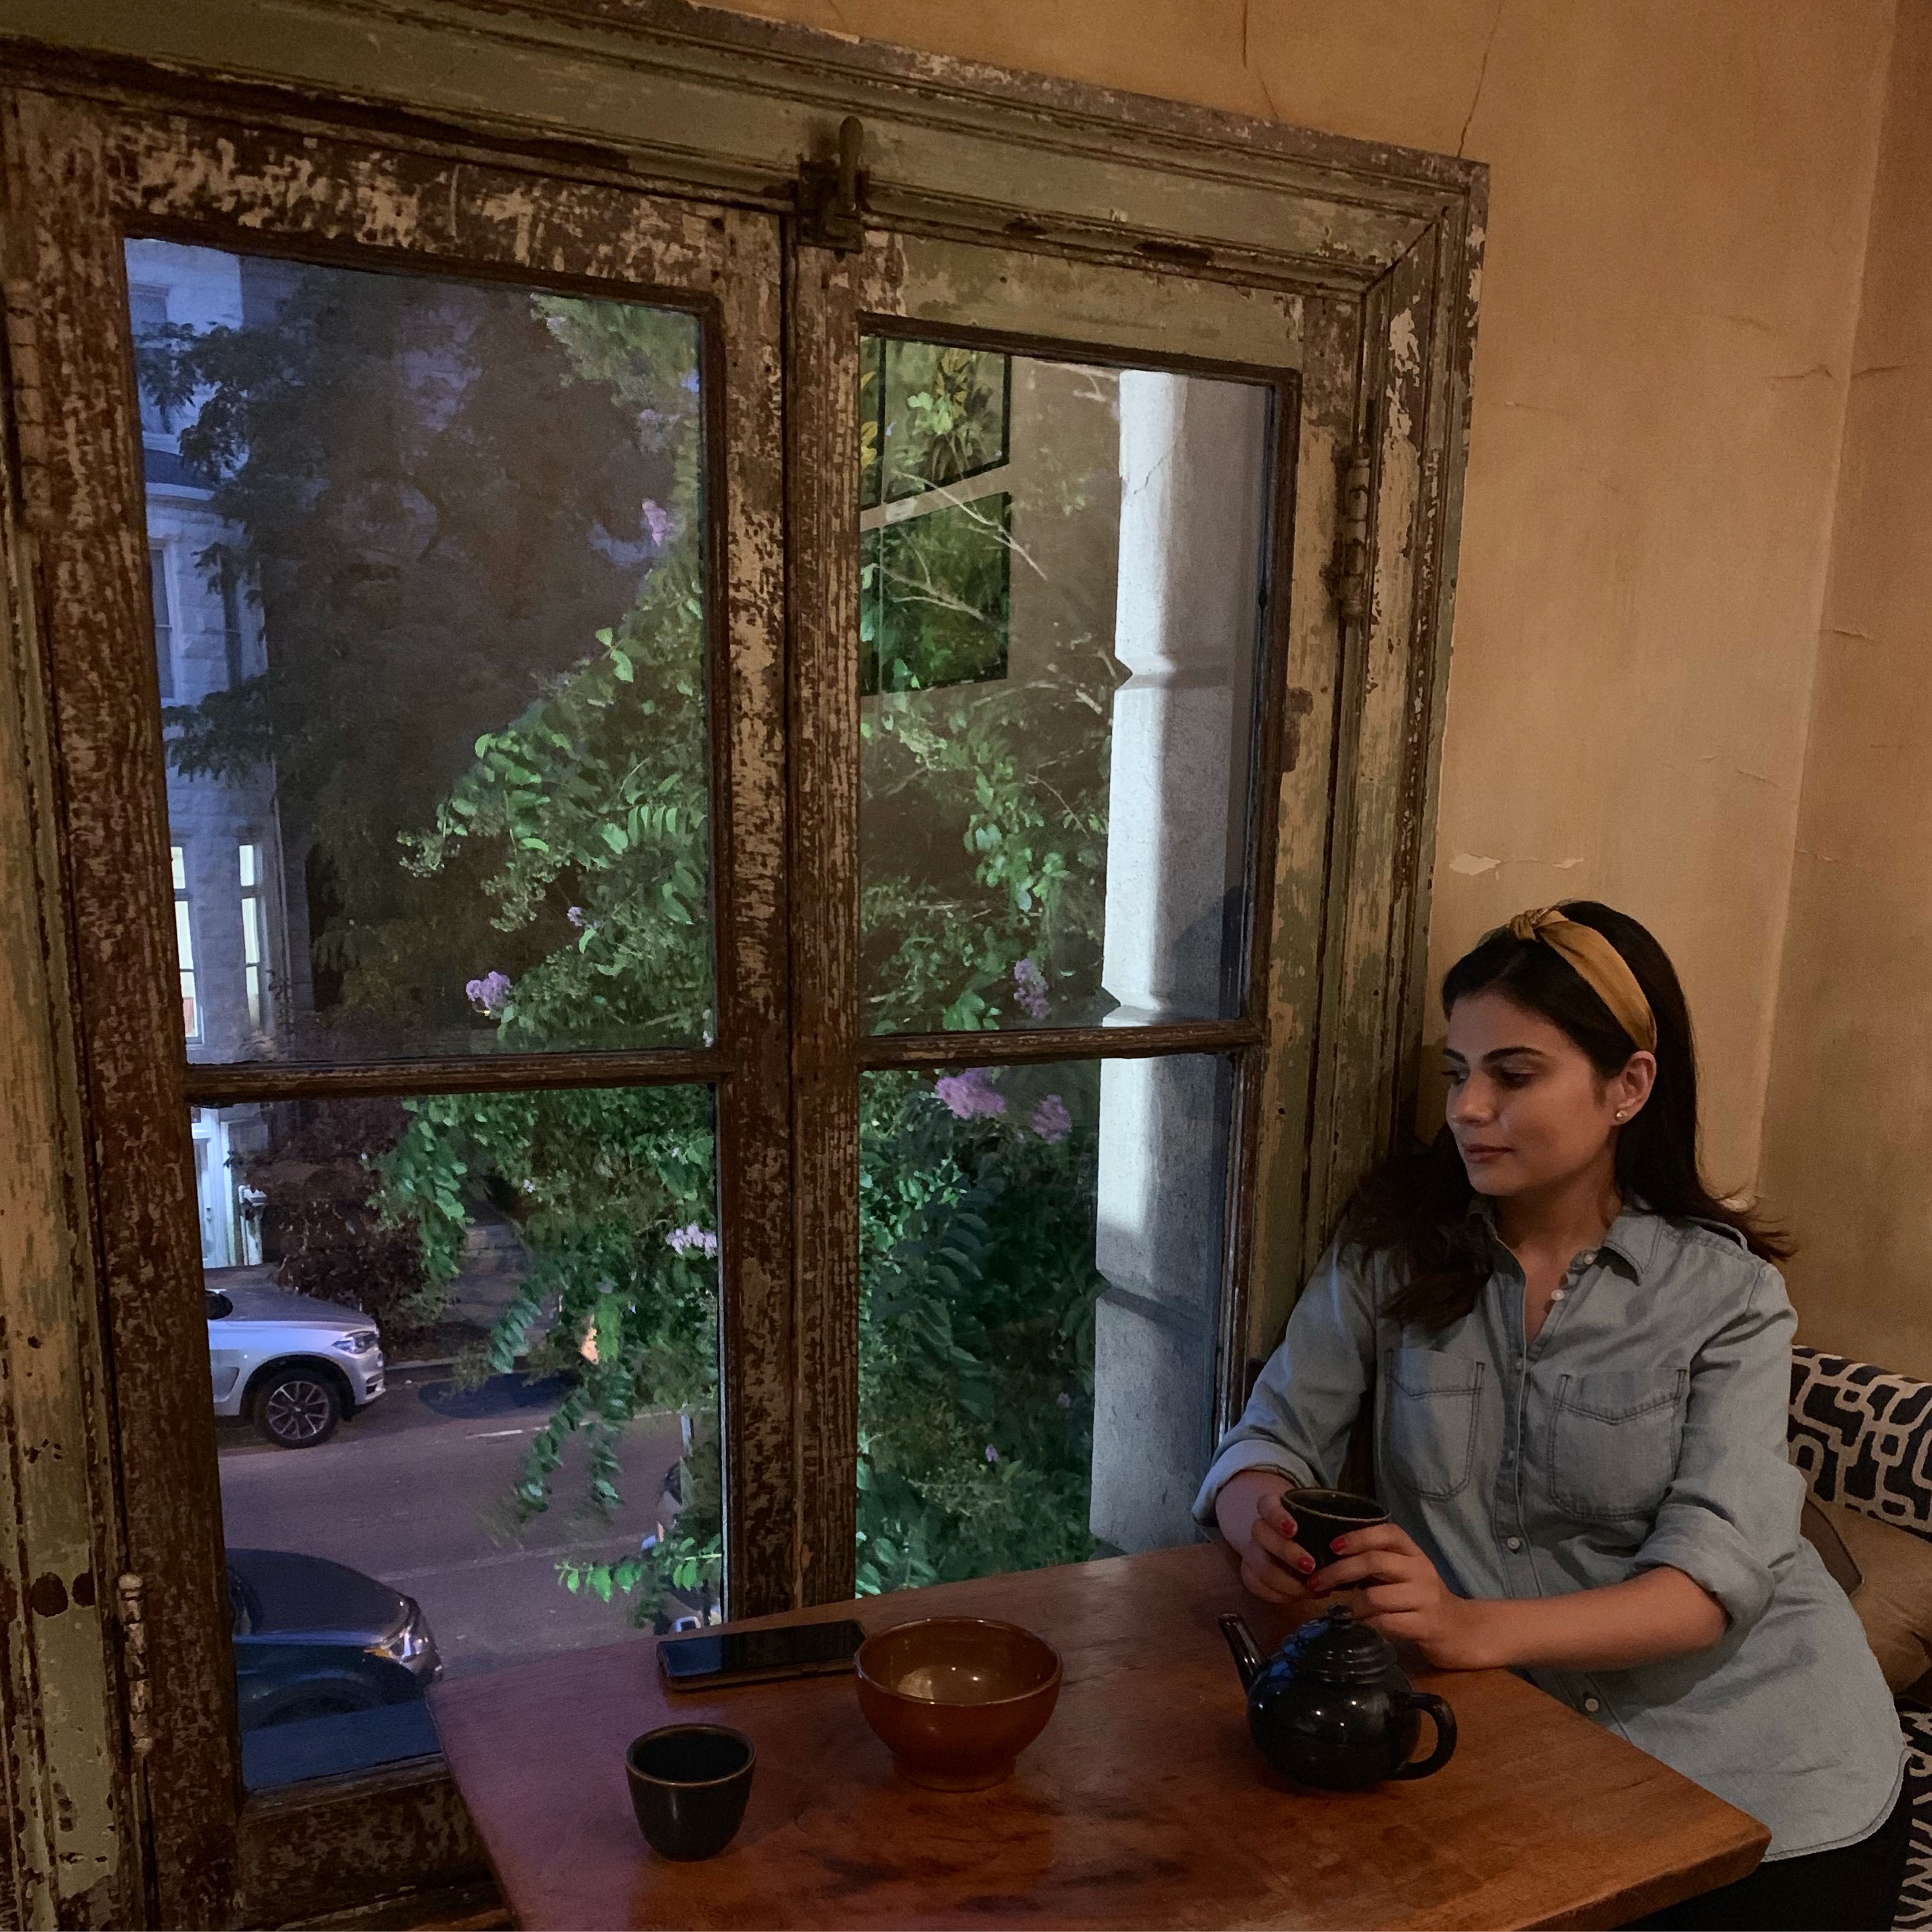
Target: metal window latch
column 831, row 194
column 1350, row 572
column 134, row 1655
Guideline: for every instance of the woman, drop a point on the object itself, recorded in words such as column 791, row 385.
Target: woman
column 1577, row 1360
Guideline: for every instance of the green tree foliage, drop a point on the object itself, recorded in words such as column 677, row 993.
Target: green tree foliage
column 975, row 1356
column 579, row 830
column 600, row 786
column 1015, row 770
column 435, row 505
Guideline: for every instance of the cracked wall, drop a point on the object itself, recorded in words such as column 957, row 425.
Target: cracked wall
column 1848, row 1133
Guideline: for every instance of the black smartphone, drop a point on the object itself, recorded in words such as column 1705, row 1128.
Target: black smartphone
column 706, row 1659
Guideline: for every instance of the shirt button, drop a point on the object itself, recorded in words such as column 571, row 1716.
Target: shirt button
column 1558, row 1294
column 1512, row 1542
column 1591, row 1704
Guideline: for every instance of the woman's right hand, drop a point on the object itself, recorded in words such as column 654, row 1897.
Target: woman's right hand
column 1249, row 1509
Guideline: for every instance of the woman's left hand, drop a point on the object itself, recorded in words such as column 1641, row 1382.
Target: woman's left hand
column 1404, row 1597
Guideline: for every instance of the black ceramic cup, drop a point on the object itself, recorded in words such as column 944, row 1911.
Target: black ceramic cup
column 689, row 1786
column 1321, row 1515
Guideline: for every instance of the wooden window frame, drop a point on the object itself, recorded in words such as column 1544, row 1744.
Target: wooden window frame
column 843, row 299
column 1381, row 248
column 166, row 174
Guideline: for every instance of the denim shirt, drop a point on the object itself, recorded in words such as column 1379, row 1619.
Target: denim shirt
column 1645, row 1426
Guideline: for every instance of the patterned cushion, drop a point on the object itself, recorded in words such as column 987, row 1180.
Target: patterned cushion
column 1914, row 1897
column 1863, row 1437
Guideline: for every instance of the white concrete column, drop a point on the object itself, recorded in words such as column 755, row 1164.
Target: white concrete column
column 1193, row 457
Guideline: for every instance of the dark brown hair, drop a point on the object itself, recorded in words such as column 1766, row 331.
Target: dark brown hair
column 1415, row 1207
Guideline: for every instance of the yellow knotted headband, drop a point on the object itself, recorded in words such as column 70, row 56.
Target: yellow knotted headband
column 1602, row 967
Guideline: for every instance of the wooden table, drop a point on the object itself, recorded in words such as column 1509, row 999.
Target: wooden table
column 1145, row 1803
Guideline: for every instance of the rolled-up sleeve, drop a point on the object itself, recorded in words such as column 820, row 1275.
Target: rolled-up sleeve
column 1308, row 1395
column 1730, row 1519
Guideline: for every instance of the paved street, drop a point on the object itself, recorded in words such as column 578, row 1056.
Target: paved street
column 414, row 1491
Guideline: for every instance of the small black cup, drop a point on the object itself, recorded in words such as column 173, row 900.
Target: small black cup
column 689, row 1786
column 1321, row 1515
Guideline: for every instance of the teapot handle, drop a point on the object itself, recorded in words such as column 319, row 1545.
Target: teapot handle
column 1445, row 1734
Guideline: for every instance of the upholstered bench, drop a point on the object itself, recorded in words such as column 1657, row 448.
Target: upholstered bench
column 1863, row 1437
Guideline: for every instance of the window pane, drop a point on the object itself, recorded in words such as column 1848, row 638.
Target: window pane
column 184, row 948
column 164, row 626
column 1041, row 1268
column 930, row 415
column 1062, row 577
column 147, row 311
column 233, row 637
column 463, row 1361
column 937, row 589
column 254, row 951
column 185, row 945
column 438, row 644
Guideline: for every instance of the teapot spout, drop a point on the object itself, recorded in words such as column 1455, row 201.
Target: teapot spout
column 1248, row 1658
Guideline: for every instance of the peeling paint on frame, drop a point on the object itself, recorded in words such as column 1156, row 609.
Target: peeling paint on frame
column 66, row 1853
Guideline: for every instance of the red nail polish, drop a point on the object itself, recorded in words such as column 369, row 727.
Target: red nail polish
column 1340, row 1546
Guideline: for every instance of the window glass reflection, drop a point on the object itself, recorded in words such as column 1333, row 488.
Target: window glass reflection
column 1060, row 609
column 463, row 1359
column 425, row 561
column 1042, row 1257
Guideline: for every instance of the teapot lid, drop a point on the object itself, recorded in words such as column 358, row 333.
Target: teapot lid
column 1335, row 1647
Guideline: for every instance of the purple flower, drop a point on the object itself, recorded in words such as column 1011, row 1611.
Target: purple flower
column 490, row 994
column 971, row 1094
column 1030, row 988
column 992, row 1454
column 1051, row 1120
column 658, row 521
column 683, row 1240
column 575, row 916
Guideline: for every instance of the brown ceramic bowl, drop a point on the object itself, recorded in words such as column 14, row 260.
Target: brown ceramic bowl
column 955, row 1699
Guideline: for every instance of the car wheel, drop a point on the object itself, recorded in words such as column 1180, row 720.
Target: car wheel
column 296, row 1408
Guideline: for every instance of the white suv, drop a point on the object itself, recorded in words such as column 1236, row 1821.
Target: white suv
column 296, row 1365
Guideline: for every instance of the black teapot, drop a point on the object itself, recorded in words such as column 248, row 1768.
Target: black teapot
column 1333, row 1708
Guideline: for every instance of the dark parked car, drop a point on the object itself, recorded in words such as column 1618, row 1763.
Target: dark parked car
column 314, row 1639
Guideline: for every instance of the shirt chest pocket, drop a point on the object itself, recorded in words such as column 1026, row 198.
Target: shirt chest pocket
column 1432, row 1402
column 1613, row 1437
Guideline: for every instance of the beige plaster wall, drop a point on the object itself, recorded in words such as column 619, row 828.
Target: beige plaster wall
column 1679, row 197
column 1848, row 1135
